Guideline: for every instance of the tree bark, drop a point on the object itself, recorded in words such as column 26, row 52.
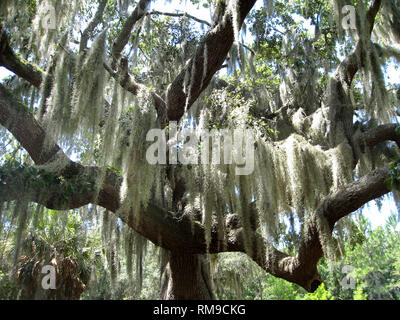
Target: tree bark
column 187, row 277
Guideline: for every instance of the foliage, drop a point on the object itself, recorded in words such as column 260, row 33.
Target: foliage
column 39, row 179
column 320, row 294
column 394, row 175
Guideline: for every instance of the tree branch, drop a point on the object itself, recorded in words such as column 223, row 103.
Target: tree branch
column 179, row 14
column 385, row 132
column 355, row 195
column 158, row 225
column 351, row 64
column 124, row 35
column 302, row 268
column 24, row 127
column 185, row 14
column 92, row 25
column 393, row 17
column 207, row 60
column 10, row 60
column 128, row 83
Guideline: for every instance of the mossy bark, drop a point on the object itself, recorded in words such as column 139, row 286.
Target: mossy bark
column 187, row 277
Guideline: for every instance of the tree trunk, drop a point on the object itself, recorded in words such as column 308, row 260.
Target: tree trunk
column 187, row 277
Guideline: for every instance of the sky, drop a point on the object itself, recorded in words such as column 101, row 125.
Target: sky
column 371, row 211
column 378, row 217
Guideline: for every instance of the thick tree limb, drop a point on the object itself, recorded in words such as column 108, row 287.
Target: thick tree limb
column 24, row 127
column 385, row 132
column 302, row 268
column 207, row 60
column 355, row 195
column 71, row 187
column 157, row 225
column 10, row 60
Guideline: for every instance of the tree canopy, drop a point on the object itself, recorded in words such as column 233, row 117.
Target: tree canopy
column 90, row 81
